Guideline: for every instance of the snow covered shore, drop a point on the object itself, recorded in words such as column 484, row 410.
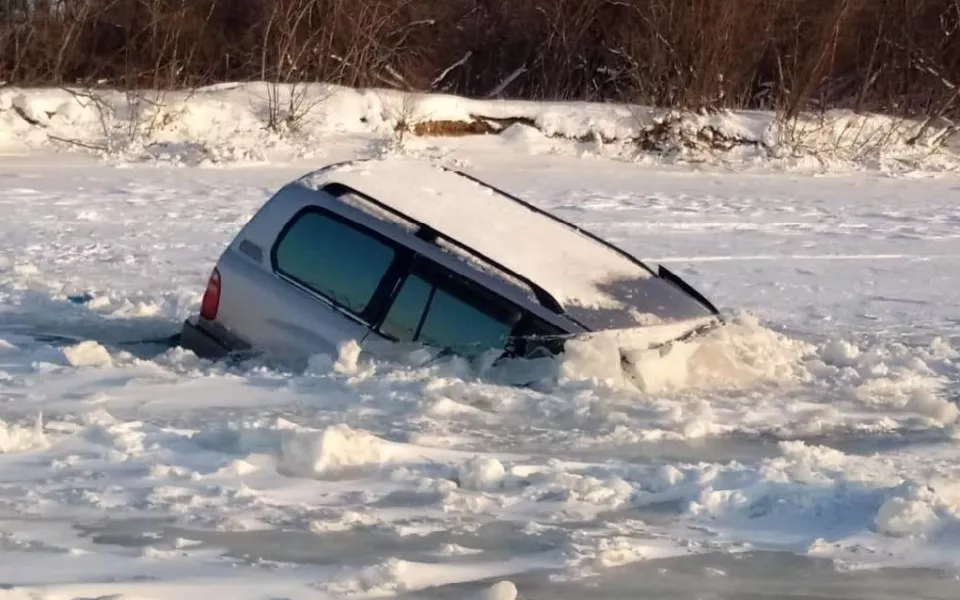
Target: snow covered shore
column 259, row 121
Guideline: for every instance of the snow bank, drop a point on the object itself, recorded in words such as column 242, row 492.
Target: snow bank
column 913, row 379
column 88, row 354
column 916, row 515
column 227, row 123
column 335, row 450
column 739, row 354
column 481, row 473
column 812, row 494
column 504, row 590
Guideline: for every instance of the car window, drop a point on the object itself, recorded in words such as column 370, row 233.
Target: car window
column 539, row 338
column 333, row 258
column 458, row 324
column 406, row 313
column 445, row 312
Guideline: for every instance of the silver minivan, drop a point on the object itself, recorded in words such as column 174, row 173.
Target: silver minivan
column 403, row 251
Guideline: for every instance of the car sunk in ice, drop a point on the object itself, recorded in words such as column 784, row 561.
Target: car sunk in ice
column 405, row 251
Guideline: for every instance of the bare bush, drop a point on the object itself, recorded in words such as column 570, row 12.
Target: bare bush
column 894, row 56
column 126, row 121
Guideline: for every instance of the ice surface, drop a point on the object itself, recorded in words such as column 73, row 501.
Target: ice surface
column 809, row 449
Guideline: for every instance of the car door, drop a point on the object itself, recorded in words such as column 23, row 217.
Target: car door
column 436, row 307
column 327, row 281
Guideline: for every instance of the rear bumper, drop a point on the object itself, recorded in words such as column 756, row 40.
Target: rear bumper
column 201, row 341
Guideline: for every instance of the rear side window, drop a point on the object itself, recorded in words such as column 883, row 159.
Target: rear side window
column 405, row 316
column 333, row 258
column 446, row 312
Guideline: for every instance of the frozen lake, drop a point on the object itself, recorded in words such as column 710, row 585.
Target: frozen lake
column 809, row 450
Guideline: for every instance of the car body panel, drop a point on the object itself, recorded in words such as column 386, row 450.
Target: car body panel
column 278, row 316
column 262, row 308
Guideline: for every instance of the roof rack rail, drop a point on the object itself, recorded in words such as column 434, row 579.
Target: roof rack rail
column 430, row 234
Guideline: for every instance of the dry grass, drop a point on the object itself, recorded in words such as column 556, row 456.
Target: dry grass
column 443, row 128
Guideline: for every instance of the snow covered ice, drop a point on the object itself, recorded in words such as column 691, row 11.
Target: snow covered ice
column 810, row 449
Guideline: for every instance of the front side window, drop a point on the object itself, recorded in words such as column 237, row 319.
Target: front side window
column 445, row 312
column 456, row 323
column 334, row 259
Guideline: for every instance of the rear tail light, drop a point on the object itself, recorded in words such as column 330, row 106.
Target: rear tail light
column 211, row 297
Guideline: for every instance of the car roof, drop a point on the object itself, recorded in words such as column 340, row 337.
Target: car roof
column 573, row 266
